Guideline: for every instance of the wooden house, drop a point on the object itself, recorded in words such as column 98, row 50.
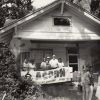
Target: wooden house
column 60, row 28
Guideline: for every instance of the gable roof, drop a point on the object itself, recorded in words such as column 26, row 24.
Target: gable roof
column 31, row 15
column 83, row 11
column 43, row 10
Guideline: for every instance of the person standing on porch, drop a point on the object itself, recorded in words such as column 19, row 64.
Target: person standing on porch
column 60, row 63
column 54, row 62
column 43, row 64
column 31, row 64
column 48, row 66
column 25, row 63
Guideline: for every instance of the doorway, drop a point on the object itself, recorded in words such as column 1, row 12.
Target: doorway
column 72, row 56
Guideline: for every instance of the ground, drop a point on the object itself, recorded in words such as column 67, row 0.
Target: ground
column 63, row 91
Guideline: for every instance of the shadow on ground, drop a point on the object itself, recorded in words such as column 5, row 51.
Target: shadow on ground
column 63, row 91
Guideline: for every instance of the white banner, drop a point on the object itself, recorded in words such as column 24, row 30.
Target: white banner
column 50, row 76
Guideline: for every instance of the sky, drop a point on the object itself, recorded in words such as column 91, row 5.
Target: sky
column 40, row 3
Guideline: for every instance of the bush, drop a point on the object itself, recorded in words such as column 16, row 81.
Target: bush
column 10, row 81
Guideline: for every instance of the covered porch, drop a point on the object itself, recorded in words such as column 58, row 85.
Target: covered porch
column 75, row 54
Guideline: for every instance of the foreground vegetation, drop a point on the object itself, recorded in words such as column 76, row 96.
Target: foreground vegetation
column 14, row 9
column 12, row 85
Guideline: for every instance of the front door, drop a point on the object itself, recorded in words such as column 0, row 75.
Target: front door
column 72, row 56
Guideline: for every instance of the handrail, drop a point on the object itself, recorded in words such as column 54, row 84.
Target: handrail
column 31, row 13
column 82, row 9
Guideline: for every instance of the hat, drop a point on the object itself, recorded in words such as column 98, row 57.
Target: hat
column 53, row 55
column 48, row 57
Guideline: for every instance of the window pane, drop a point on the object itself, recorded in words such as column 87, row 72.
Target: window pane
column 75, row 67
column 62, row 21
column 72, row 51
column 24, row 55
column 73, row 59
column 37, row 55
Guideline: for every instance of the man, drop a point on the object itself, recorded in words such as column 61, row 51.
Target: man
column 54, row 62
column 47, row 63
column 87, row 84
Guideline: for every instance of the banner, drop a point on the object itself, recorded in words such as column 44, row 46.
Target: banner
column 50, row 76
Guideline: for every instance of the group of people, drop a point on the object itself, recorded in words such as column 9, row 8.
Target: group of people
column 30, row 64
column 47, row 63
column 51, row 63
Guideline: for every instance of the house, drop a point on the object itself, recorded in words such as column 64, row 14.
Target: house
column 60, row 28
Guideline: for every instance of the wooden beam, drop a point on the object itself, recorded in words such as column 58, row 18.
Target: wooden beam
column 62, row 7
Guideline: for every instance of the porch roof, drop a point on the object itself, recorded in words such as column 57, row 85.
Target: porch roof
column 57, row 36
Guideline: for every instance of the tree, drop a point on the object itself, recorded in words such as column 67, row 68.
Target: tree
column 10, row 80
column 2, row 17
column 8, row 68
column 14, row 9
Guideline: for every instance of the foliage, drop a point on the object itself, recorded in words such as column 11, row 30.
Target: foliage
column 94, row 6
column 14, row 9
column 8, row 68
column 10, row 80
column 2, row 17
column 97, row 12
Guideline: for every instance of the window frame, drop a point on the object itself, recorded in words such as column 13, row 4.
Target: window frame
column 32, row 49
column 73, row 54
column 55, row 16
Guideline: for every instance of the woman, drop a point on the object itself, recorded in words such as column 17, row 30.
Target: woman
column 60, row 63
column 25, row 63
column 43, row 64
column 31, row 64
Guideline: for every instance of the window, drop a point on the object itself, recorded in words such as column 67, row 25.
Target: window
column 23, row 56
column 72, row 54
column 73, row 59
column 62, row 20
column 72, row 50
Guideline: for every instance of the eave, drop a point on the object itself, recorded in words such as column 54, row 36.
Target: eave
column 32, row 15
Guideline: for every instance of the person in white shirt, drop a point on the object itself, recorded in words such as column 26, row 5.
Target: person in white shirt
column 60, row 63
column 43, row 64
column 54, row 62
column 31, row 64
column 25, row 63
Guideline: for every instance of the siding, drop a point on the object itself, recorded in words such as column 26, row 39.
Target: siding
column 7, row 36
column 59, row 49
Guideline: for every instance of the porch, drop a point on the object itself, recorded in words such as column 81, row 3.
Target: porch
column 75, row 54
